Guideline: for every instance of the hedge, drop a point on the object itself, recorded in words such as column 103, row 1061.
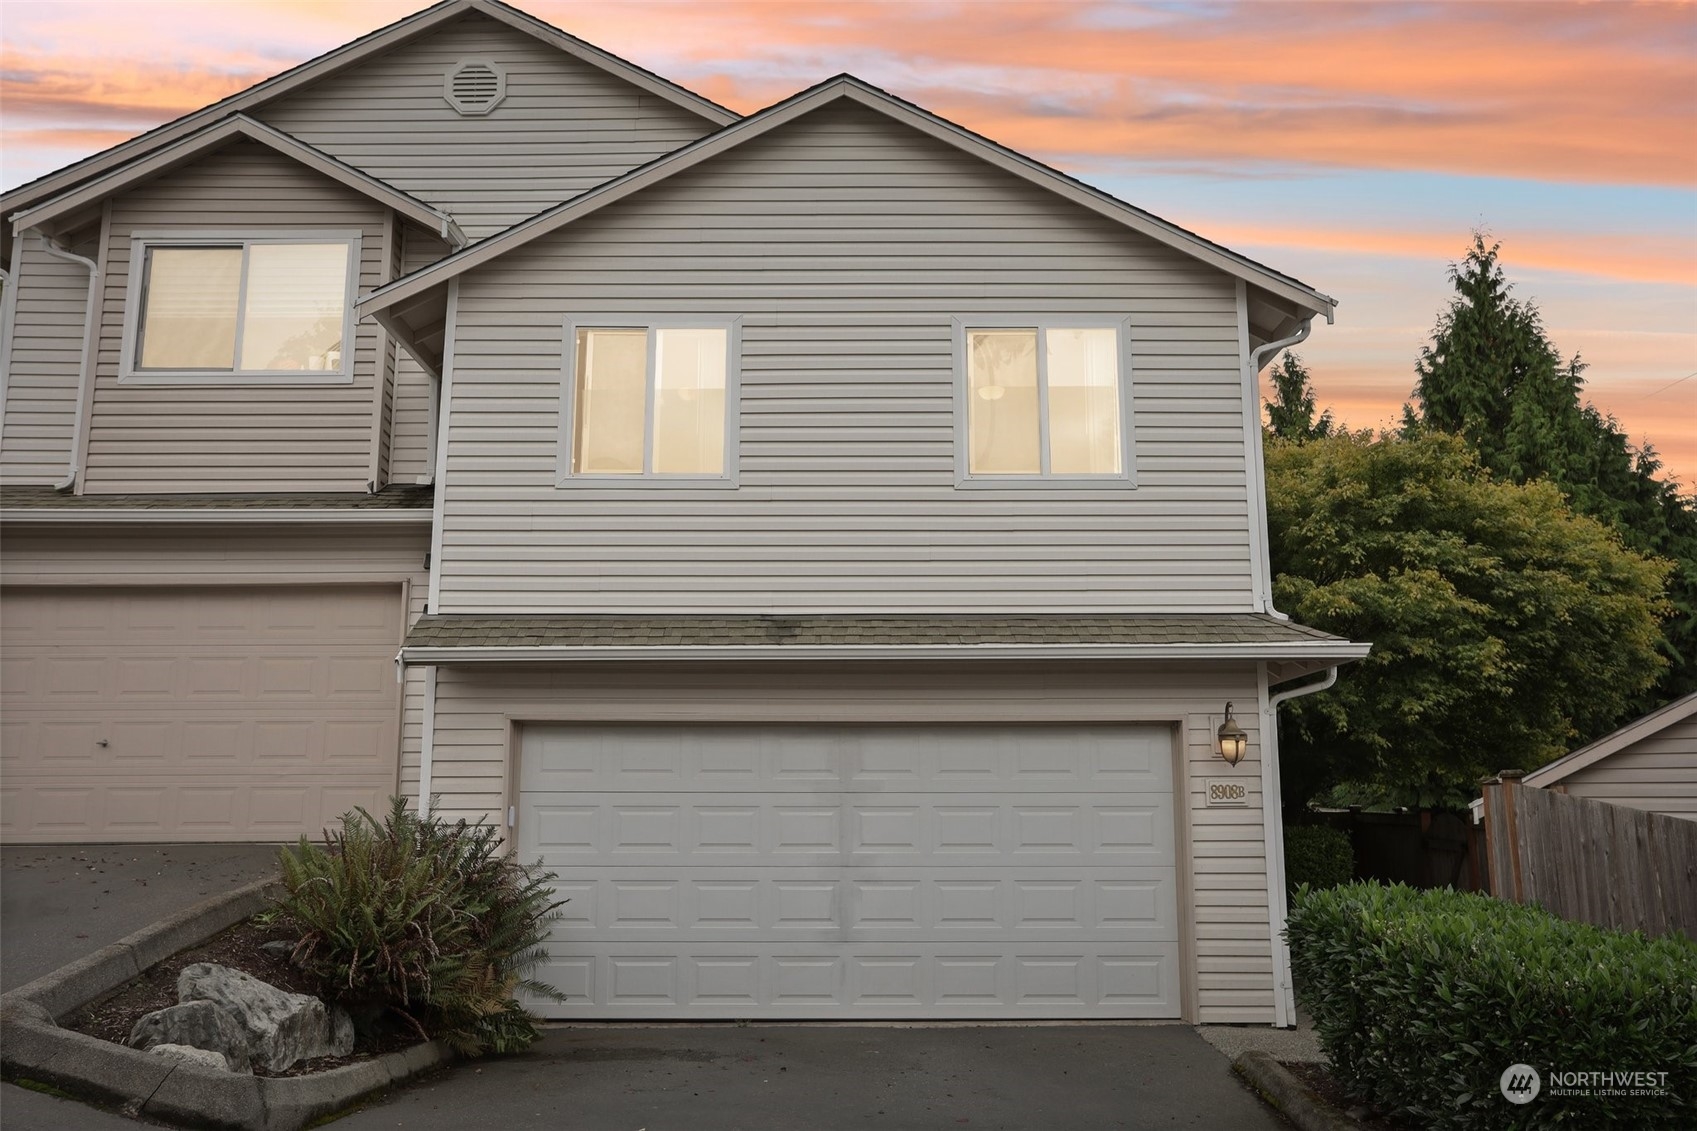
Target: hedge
column 1421, row 1000
column 1318, row 855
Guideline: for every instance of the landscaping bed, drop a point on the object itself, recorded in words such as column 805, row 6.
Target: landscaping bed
column 408, row 942
column 240, row 947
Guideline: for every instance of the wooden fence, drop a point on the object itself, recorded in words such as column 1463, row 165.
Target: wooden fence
column 1423, row 848
column 1591, row 861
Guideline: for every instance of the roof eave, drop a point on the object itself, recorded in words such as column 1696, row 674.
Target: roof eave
column 213, row 516
column 220, row 133
column 1613, row 743
column 846, row 86
column 354, row 51
column 425, row 654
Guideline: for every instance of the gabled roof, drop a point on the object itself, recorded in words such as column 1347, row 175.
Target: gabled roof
column 345, row 56
column 218, row 134
column 1627, row 735
column 847, row 87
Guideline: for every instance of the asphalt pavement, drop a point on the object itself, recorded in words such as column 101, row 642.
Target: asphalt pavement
column 59, row 903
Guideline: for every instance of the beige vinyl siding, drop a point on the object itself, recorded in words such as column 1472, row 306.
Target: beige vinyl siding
column 846, row 242
column 41, row 383
column 1657, row 773
column 252, row 436
column 564, row 126
column 1222, row 871
column 339, row 555
column 409, row 456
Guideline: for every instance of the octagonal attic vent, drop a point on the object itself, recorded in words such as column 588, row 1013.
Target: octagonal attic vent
column 475, row 87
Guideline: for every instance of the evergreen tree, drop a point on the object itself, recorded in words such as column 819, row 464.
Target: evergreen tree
column 1290, row 414
column 1492, row 375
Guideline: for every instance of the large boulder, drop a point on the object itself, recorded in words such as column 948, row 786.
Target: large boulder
column 282, row 1028
column 192, row 1055
column 197, row 1024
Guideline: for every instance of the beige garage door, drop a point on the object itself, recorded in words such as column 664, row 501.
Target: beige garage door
column 165, row 714
column 856, row 872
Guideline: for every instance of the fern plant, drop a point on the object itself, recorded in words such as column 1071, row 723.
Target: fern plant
column 422, row 920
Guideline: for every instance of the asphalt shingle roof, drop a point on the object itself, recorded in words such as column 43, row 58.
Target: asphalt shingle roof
column 635, row 631
column 390, row 498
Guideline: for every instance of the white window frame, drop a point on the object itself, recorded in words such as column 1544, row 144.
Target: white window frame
column 964, row 476
column 129, row 372
column 728, row 477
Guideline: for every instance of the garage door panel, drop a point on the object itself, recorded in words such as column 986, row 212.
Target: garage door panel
column 225, row 714
column 788, row 759
column 937, row 829
column 661, row 981
column 870, row 904
column 795, row 872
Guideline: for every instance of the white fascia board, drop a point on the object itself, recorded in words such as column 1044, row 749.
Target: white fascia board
column 357, row 50
column 569, row 653
column 274, row 87
column 778, row 114
column 213, row 516
column 220, row 133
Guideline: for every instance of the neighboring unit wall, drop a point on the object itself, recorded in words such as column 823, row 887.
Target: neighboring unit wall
column 1658, row 773
column 846, row 242
column 473, row 774
column 257, row 436
column 41, row 382
column 564, row 126
column 257, row 555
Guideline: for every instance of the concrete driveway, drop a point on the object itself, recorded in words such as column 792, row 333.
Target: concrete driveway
column 58, row 903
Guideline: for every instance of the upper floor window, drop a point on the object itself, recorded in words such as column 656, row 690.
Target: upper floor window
column 208, row 307
column 1044, row 401
column 650, row 402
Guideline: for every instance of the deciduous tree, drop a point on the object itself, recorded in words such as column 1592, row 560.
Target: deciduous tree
column 1503, row 624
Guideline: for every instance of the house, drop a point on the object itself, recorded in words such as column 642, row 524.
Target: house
column 1650, row 764
column 830, row 541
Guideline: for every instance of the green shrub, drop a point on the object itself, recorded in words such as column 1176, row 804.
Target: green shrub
column 1318, row 856
column 1421, row 999
column 425, row 920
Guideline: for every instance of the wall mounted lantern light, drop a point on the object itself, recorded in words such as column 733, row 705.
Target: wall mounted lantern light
column 1233, row 742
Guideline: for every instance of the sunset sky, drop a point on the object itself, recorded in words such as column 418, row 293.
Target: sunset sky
column 1353, row 145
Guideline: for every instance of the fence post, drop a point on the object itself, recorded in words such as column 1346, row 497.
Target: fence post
column 1515, row 874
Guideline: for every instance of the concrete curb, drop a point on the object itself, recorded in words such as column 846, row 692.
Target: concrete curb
column 34, row 1047
column 73, row 986
column 1295, row 1100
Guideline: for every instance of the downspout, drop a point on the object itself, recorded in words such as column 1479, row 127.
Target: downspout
column 1258, row 458
column 8, row 318
column 1273, row 834
column 86, row 365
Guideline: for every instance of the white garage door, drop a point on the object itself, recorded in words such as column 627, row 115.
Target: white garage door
column 204, row 714
column 856, row 872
